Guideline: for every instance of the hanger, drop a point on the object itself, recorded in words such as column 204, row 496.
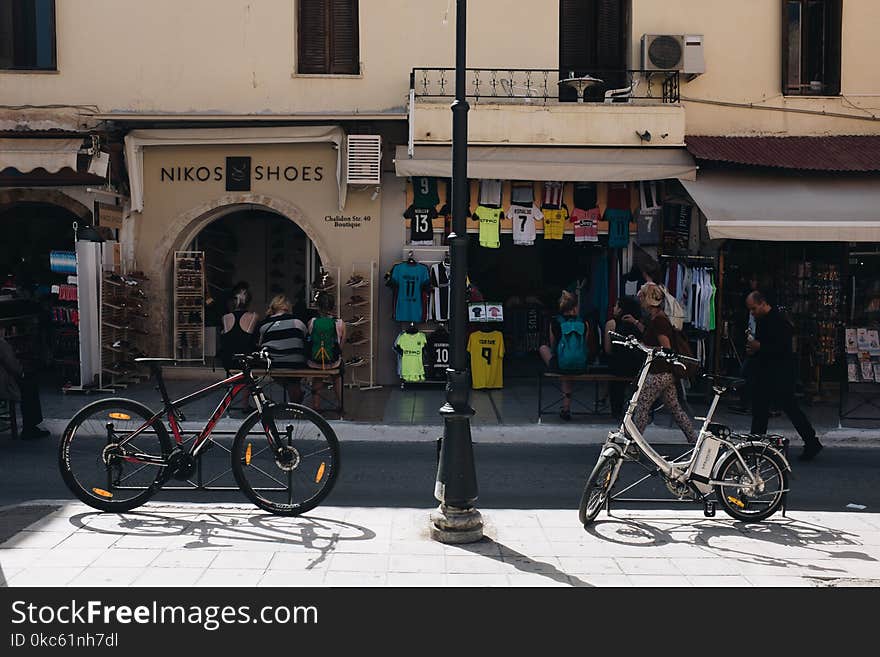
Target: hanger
column 446, row 260
column 410, row 258
column 411, row 329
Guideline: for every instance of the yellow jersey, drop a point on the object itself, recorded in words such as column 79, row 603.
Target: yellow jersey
column 554, row 223
column 487, row 359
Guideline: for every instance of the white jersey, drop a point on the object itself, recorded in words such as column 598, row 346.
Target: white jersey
column 438, row 309
column 523, row 218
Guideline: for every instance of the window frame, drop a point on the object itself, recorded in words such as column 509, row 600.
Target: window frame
column 53, row 67
column 328, row 44
column 832, row 44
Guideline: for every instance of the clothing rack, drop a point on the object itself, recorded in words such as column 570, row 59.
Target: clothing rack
column 690, row 258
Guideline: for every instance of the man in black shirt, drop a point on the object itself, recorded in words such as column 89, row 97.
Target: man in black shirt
column 774, row 373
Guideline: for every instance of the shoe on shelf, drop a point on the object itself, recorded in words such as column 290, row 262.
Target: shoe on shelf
column 356, row 280
column 357, row 361
column 357, row 320
column 32, row 433
column 356, row 337
column 357, row 300
column 810, row 451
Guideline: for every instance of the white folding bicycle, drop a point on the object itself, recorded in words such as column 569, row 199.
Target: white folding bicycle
column 747, row 474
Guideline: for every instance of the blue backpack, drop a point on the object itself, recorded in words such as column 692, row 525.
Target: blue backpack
column 571, row 351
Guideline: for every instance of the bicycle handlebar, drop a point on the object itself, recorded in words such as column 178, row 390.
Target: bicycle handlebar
column 249, row 359
column 630, row 342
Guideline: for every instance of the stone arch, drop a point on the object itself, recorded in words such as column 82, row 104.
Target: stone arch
column 9, row 197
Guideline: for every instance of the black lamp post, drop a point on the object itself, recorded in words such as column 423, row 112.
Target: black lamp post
column 456, row 520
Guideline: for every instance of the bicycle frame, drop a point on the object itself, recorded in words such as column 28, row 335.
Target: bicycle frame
column 171, row 410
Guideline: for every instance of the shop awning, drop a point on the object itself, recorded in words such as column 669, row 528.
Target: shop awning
column 788, row 207
column 137, row 140
column 25, row 155
column 551, row 163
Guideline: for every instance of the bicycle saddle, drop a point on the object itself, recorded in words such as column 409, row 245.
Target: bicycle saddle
column 723, row 383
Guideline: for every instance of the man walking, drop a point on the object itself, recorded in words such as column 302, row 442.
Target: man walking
column 773, row 375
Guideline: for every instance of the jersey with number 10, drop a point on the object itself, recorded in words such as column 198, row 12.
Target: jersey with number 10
column 409, row 279
column 487, row 359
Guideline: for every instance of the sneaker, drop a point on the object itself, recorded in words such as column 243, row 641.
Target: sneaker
column 810, row 451
column 357, row 300
column 357, row 320
column 357, row 361
column 356, row 281
column 357, row 337
column 120, row 344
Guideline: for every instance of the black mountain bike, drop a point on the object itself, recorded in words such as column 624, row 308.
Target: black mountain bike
column 116, row 453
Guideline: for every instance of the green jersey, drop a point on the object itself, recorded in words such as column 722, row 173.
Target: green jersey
column 411, row 347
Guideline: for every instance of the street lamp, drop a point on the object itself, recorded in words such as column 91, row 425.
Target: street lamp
column 456, row 520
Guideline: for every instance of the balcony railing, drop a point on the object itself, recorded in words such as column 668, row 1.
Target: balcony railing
column 532, row 85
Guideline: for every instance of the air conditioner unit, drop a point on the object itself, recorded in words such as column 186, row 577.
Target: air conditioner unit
column 364, row 162
column 673, row 52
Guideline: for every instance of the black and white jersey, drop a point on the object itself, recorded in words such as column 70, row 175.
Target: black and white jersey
column 438, row 354
column 438, row 310
column 421, row 225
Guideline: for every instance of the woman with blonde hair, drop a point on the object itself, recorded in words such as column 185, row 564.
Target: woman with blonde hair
column 284, row 337
column 661, row 381
column 574, row 332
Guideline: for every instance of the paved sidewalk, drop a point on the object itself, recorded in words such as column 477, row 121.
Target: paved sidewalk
column 59, row 543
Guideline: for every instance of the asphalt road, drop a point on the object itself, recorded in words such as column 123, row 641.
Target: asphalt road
column 509, row 476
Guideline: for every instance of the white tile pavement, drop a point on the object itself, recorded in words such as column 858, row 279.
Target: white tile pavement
column 234, row 545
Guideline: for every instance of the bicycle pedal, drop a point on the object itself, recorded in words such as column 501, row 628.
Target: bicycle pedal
column 709, row 509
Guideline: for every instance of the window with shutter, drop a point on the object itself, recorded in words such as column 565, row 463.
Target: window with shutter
column 27, row 35
column 592, row 40
column 811, row 40
column 327, row 33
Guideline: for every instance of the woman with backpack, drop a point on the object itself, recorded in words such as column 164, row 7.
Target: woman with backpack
column 661, row 381
column 326, row 335
column 567, row 351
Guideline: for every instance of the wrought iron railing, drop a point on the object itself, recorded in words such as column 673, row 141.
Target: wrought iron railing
column 531, row 85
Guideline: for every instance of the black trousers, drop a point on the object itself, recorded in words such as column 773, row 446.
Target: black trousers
column 31, row 410
column 783, row 397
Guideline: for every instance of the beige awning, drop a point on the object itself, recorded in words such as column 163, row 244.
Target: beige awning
column 551, row 163
column 788, row 207
column 50, row 154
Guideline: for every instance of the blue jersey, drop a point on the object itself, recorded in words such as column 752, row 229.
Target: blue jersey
column 409, row 279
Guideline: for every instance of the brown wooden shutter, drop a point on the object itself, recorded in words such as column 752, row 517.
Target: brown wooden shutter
column 344, row 57
column 312, row 35
column 611, row 42
column 575, row 35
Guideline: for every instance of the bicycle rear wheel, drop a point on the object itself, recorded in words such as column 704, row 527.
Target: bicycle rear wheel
column 94, row 466
column 749, row 502
column 597, row 488
column 298, row 479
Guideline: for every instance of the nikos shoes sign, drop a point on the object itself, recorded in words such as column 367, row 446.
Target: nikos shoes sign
column 239, row 173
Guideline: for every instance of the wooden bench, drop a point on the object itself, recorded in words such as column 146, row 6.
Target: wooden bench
column 282, row 375
column 594, row 376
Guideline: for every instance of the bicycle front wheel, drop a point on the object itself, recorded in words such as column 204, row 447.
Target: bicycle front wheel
column 94, row 464
column 597, row 488
column 298, row 478
column 744, row 499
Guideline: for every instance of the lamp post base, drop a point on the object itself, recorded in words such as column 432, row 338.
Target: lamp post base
column 453, row 525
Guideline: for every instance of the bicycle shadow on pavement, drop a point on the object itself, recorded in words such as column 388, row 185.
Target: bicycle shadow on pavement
column 218, row 529
column 520, row 561
column 715, row 538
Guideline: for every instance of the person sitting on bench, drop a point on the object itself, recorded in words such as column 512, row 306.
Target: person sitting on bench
column 17, row 386
column 567, row 351
column 326, row 335
column 284, row 337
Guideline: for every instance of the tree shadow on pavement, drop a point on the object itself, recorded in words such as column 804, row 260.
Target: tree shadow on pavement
column 521, row 561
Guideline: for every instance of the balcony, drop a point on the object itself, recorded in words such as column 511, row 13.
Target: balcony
column 536, row 106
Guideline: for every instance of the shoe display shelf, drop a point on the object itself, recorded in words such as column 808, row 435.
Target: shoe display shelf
column 124, row 327
column 358, row 313
column 189, row 306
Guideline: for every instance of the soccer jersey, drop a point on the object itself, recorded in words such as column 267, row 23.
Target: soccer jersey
column 425, row 192
column 438, row 310
column 490, row 192
column 523, row 218
column 487, row 355
column 421, row 231
column 618, row 227
column 648, row 227
column 522, row 193
column 552, row 194
column 618, row 196
column 490, row 226
column 585, row 195
column 554, row 223
column 408, row 279
column 438, row 354
column 586, row 225
column 411, row 347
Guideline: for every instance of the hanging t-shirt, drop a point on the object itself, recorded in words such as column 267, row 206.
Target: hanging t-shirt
column 522, row 193
column 490, row 192
column 618, row 196
column 412, row 346
column 490, row 226
column 554, row 223
column 618, row 227
column 438, row 354
column 585, row 195
column 438, row 310
column 552, row 195
column 408, row 279
column 586, row 225
column 425, row 192
column 421, row 225
column 487, row 356
column 523, row 218
column 648, row 227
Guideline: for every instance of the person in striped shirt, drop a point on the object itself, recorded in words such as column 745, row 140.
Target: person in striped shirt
column 284, row 336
